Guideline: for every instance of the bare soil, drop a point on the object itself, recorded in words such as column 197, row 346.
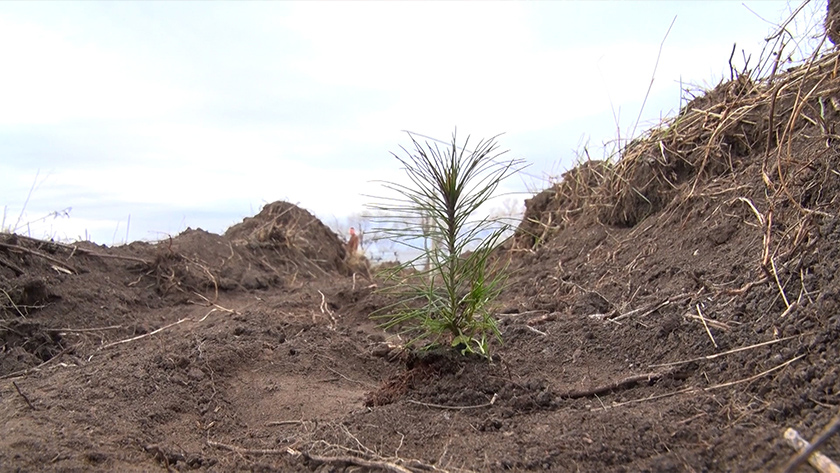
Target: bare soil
column 674, row 311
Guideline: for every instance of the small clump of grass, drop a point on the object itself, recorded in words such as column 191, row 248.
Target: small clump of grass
column 451, row 295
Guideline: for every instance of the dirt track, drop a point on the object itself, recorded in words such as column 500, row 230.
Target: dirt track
column 676, row 311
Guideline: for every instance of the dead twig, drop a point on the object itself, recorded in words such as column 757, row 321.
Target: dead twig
column 119, row 342
column 546, row 317
column 215, row 306
column 649, row 309
column 649, row 398
column 28, row 402
column 26, row 371
column 212, row 278
column 754, row 377
column 325, row 309
column 746, row 287
column 706, row 326
column 716, row 355
column 11, row 266
column 766, row 254
column 387, row 466
column 290, row 450
column 242, row 450
column 712, row 323
column 809, row 451
column 455, row 408
column 103, row 255
column 350, row 379
column 527, row 312
column 17, row 309
column 76, row 249
column 82, row 330
column 620, row 384
column 709, row 388
column 755, row 211
column 652, row 77
column 778, row 283
column 32, row 252
column 283, row 422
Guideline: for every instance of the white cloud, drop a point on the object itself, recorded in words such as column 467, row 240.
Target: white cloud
column 50, row 80
column 193, row 113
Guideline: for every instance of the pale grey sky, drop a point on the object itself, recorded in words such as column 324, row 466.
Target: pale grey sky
column 196, row 114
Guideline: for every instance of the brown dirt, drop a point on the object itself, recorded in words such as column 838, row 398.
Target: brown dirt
column 633, row 284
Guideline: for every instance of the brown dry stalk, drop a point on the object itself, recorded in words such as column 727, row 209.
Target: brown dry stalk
column 710, row 322
column 103, row 255
column 346, row 459
column 24, row 372
column 696, row 134
column 746, row 287
column 32, row 252
column 387, row 466
column 457, row 408
column 647, row 377
column 11, row 266
column 717, row 355
column 17, row 309
column 765, row 255
column 215, row 307
column 82, row 330
column 212, row 278
column 808, row 451
column 649, row 309
column 283, row 422
column 75, row 248
column 800, row 102
column 28, row 402
column 705, row 325
column 649, row 398
column 754, row 377
column 258, row 451
column 709, row 388
column 779, row 283
column 119, row 342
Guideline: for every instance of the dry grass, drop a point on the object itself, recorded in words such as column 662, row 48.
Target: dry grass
column 715, row 134
column 765, row 149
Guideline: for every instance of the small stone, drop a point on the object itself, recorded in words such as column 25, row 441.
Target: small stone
column 195, row 374
column 381, row 350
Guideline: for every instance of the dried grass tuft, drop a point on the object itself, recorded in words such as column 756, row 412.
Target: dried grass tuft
column 719, row 133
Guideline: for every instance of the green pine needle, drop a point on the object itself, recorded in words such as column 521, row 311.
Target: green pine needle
column 451, row 300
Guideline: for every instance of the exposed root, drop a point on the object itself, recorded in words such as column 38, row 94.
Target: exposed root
column 620, row 384
column 366, row 459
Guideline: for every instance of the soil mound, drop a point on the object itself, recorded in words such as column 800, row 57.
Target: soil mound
column 294, row 234
column 710, row 249
column 49, row 285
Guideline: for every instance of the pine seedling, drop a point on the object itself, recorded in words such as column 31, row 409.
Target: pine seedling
column 450, row 299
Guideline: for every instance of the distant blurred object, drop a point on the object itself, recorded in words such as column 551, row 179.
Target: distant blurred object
column 353, row 242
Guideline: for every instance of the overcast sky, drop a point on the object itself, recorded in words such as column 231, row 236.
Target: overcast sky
column 195, row 114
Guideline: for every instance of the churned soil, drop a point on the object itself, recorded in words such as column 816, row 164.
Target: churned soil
column 676, row 310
